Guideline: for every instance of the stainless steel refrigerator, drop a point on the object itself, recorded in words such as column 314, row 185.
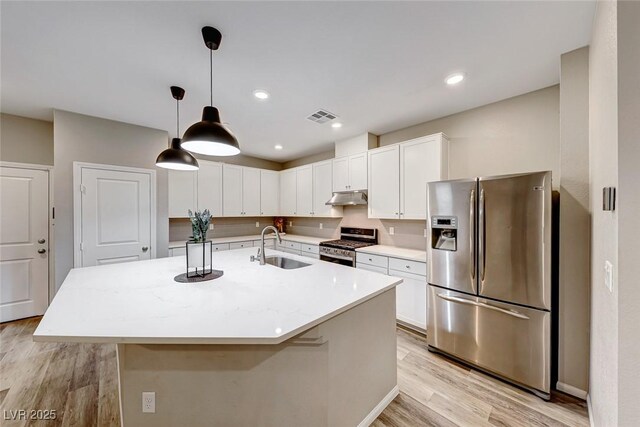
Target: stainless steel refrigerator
column 489, row 275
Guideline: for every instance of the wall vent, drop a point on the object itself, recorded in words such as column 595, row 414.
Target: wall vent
column 321, row 116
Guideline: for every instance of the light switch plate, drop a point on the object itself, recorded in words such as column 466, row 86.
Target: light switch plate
column 320, row 226
column 257, row 224
column 608, row 275
column 210, row 226
column 392, row 230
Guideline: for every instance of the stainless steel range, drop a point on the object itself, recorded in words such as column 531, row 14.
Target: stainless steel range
column 343, row 251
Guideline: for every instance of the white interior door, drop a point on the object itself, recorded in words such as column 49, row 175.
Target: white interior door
column 116, row 216
column 24, row 242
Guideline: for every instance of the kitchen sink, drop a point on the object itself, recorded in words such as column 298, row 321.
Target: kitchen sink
column 286, row 263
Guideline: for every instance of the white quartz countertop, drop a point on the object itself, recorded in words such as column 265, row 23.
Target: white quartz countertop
column 395, row 252
column 139, row 302
column 289, row 237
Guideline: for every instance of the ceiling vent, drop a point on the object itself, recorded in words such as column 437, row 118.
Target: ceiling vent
column 321, row 116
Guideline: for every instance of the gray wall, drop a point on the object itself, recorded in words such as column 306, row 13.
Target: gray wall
column 95, row 140
column 326, row 155
column 520, row 134
column 243, row 160
column 603, row 156
column 575, row 220
column 24, row 140
column 629, row 238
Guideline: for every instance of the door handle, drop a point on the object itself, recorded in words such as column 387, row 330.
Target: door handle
column 483, row 305
column 41, row 251
column 145, row 248
column 472, row 234
column 482, row 229
column 41, row 241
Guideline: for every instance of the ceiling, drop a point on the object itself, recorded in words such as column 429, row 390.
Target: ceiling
column 380, row 66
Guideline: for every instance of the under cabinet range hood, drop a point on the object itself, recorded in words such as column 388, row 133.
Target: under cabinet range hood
column 348, row 198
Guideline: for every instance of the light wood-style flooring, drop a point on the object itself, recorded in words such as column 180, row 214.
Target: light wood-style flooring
column 79, row 381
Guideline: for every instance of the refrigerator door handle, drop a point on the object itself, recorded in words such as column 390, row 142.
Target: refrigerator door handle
column 482, row 229
column 472, row 234
column 483, row 305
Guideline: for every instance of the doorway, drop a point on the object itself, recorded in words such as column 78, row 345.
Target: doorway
column 114, row 214
column 24, row 241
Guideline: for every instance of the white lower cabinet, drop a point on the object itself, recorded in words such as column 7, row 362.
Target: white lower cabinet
column 240, row 245
column 179, row 251
column 411, row 295
column 411, row 299
column 220, row 247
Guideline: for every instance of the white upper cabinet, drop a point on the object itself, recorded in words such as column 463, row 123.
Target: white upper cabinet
column 358, row 172
column 232, row 194
column 398, row 176
column 269, row 193
column 182, row 193
column 341, row 174
column 304, row 191
column 210, row 187
column 250, row 192
column 350, row 173
column 422, row 160
column 384, row 182
column 288, row 192
column 323, row 190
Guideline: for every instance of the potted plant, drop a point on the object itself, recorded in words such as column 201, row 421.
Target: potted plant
column 199, row 250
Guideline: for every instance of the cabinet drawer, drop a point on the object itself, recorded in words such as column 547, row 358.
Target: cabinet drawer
column 221, row 247
column 312, row 249
column 240, row 245
column 180, row 251
column 268, row 243
column 414, row 267
column 376, row 260
column 367, row 267
column 291, row 245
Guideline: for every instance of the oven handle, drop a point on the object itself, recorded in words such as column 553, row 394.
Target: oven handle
column 345, row 258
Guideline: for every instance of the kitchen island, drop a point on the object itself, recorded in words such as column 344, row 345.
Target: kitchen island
column 313, row 346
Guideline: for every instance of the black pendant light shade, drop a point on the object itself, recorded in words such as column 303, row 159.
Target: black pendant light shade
column 209, row 136
column 175, row 157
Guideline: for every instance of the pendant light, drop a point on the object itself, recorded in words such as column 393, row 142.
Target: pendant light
column 209, row 136
column 176, row 157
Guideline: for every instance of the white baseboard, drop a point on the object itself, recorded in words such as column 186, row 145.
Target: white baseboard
column 573, row 391
column 591, row 423
column 371, row 416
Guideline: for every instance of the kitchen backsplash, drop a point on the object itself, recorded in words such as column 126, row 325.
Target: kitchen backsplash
column 407, row 233
column 180, row 228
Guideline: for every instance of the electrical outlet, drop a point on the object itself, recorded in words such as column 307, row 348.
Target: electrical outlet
column 257, row 224
column 320, row 226
column 290, row 223
column 392, row 230
column 608, row 275
column 149, row 402
column 210, row 226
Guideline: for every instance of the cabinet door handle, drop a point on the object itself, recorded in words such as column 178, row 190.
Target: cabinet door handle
column 408, row 266
column 145, row 248
column 41, row 251
column 41, row 241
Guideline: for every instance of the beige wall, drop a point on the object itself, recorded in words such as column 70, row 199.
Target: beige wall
column 575, row 221
column 519, row 134
column 603, row 155
column 629, row 207
column 180, row 228
column 95, row 140
column 243, row 160
column 326, row 155
column 24, row 140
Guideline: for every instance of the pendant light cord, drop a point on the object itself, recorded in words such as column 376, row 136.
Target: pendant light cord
column 177, row 118
column 211, row 75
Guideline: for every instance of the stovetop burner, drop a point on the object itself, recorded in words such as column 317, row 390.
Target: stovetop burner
column 345, row 244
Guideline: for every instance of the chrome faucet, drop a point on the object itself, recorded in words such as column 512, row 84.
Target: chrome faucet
column 260, row 255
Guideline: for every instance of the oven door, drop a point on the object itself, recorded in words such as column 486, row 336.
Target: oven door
column 336, row 259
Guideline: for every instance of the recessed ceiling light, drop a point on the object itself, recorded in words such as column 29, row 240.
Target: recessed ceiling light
column 278, row 147
column 336, row 125
column 261, row 94
column 454, row 78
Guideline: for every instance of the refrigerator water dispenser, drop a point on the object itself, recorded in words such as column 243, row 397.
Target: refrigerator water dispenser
column 444, row 233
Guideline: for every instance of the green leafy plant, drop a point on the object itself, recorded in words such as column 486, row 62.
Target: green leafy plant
column 200, row 224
